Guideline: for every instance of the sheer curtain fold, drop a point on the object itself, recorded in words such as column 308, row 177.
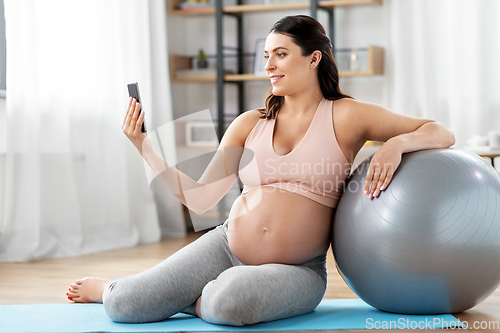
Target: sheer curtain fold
column 443, row 63
column 73, row 183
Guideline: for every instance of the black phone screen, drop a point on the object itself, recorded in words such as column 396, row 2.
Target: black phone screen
column 133, row 91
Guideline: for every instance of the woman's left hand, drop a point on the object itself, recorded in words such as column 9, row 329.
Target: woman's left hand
column 382, row 167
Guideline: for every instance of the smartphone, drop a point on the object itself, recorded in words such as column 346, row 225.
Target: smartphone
column 133, row 91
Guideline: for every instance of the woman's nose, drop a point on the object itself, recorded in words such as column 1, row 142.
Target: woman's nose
column 269, row 65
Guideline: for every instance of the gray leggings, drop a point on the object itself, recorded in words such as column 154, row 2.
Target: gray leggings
column 232, row 293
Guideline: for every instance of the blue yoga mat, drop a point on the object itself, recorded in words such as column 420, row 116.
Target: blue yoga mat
column 341, row 314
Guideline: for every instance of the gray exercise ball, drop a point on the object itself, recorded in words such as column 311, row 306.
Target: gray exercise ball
column 430, row 243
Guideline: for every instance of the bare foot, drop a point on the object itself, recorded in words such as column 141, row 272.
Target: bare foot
column 88, row 290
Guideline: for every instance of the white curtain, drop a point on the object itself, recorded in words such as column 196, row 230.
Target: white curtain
column 442, row 62
column 73, row 183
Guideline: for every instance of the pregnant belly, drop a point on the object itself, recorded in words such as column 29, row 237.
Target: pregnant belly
column 269, row 225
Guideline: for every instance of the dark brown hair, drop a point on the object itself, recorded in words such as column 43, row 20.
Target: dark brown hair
column 309, row 35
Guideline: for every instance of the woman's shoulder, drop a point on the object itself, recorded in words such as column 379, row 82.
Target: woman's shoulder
column 241, row 126
column 252, row 115
column 247, row 120
column 348, row 108
column 349, row 118
column 345, row 109
column 348, row 104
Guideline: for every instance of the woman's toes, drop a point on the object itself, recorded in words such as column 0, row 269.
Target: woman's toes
column 87, row 290
column 76, row 299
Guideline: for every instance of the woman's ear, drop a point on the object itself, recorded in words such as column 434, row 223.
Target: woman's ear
column 315, row 58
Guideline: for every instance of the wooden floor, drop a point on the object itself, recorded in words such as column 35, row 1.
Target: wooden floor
column 45, row 282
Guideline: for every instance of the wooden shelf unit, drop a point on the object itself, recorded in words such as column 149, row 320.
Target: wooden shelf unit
column 375, row 63
column 375, row 67
column 174, row 7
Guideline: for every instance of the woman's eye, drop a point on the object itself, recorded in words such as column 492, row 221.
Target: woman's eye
column 279, row 55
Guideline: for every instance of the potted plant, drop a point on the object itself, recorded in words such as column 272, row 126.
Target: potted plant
column 202, row 59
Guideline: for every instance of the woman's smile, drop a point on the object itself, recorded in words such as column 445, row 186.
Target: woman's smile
column 276, row 78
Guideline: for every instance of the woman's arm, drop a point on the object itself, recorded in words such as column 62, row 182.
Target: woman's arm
column 219, row 176
column 401, row 134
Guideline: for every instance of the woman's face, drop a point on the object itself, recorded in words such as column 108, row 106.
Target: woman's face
column 289, row 71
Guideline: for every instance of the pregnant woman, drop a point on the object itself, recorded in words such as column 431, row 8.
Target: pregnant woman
column 268, row 260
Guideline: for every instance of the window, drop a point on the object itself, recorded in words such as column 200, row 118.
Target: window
column 3, row 85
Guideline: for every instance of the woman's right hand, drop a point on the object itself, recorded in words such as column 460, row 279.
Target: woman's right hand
column 132, row 125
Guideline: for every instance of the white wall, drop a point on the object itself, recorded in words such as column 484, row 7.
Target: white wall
column 354, row 27
column 3, row 127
